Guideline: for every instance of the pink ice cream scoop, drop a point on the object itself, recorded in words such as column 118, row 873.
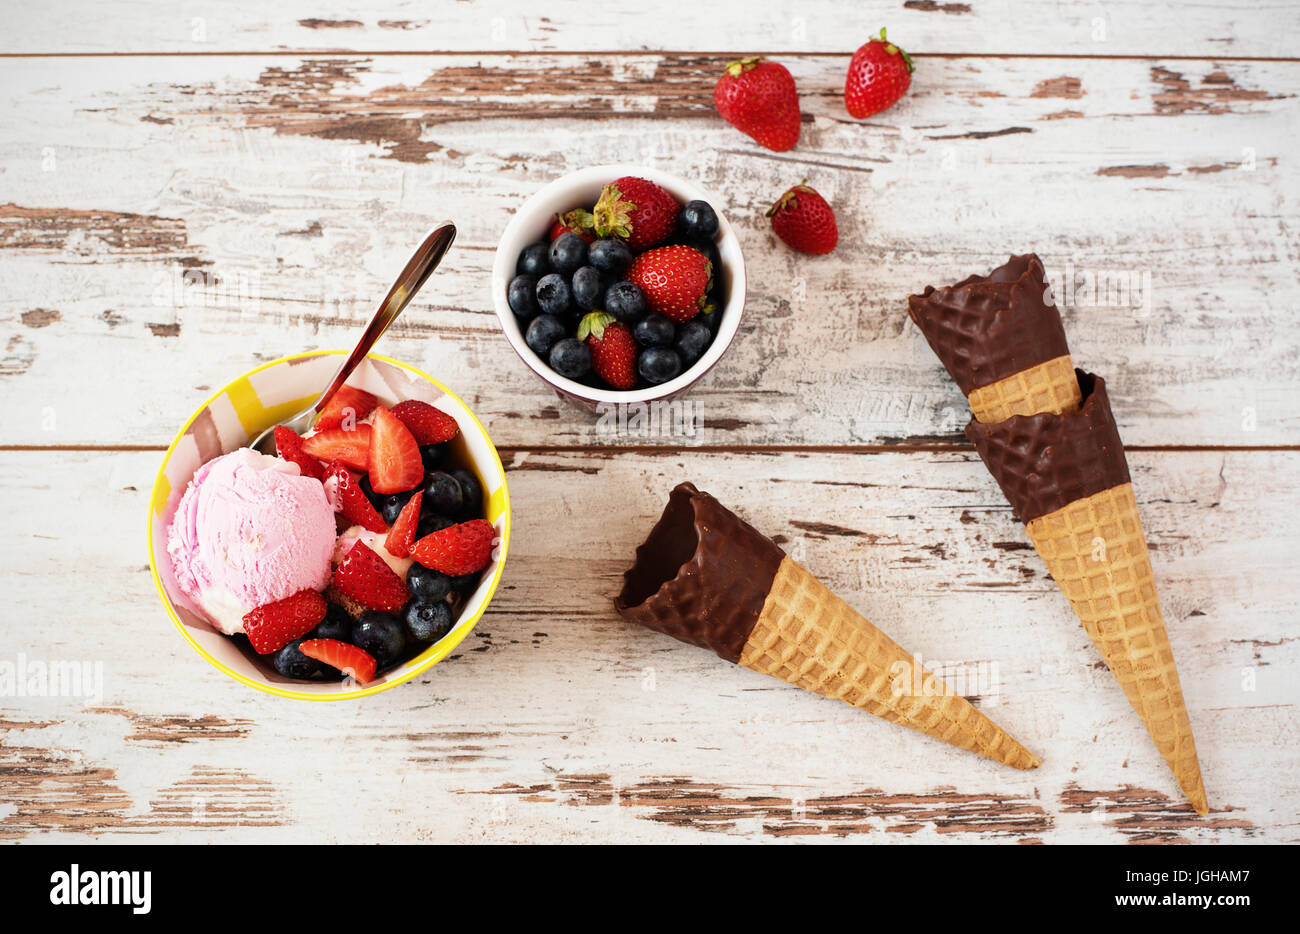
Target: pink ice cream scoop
column 250, row 530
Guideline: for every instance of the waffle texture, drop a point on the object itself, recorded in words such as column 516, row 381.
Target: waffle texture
column 1048, row 387
column 1096, row 551
column 811, row 638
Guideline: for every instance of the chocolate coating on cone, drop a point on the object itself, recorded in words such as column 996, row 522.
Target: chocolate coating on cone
column 1045, row 462
column 986, row 328
column 701, row 576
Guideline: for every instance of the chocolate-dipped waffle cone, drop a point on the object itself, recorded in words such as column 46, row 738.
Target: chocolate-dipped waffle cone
column 706, row 577
column 1067, row 478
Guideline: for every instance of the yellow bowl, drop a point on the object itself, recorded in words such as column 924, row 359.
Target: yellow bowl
column 245, row 408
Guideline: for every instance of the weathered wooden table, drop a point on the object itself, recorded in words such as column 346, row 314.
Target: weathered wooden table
column 189, row 192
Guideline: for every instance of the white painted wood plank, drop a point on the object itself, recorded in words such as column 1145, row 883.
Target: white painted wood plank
column 557, row 721
column 1122, row 27
column 289, row 191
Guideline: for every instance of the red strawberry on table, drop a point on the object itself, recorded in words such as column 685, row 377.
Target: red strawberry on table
column 353, row 502
column 367, row 579
column 429, row 425
column 402, row 535
column 289, row 446
column 802, row 218
column 675, row 280
column 636, row 210
column 351, row 446
column 347, row 658
column 272, row 627
column 613, row 350
column 759, row 98
column 576, row 221
column 394, row 463
column 457, row 549
column 879, row 74
column 349, row 404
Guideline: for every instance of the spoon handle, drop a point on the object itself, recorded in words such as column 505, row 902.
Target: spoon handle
column 418, row 268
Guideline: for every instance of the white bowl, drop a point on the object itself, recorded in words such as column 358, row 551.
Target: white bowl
column 581, row 188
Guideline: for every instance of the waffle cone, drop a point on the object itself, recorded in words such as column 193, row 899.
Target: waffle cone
column 1096, row 551
column 1048, row 387
column 807, row 636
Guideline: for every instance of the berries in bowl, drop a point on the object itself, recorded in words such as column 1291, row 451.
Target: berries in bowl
column 351, row 561
column 619, row 284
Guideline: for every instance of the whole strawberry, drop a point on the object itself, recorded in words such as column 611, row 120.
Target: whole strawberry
column 613, row 351
column 675, row 280
column 802, row 218
column 879, row 74
column 636, row 210
column 759, row 98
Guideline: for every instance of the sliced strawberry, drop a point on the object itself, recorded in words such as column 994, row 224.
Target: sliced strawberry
column 428, row 424
column 457, row 549
column 367, row 579
column 402, row 535
column 289, row 446
column 275, row 625
column 351, row 447
column 353, row 502
column 348, row 404
column 394, row 464
column 352, row 661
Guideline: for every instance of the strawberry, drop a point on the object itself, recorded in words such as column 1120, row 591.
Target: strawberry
column 348, row 404
column 675, row 280
column 367, row 579
column 636, row 210
column 429, row 425
column 802, row 218
column 613, row 351
column 879, row 74
column 273, row 626
column 358, row 663
column 353, row 502
column 576, row 221
column 458, row 549
column 394, row 463
column 402, row 535
column 759, row 98
column 289, row 446
column 351, row 447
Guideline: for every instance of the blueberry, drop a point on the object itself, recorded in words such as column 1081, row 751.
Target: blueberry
column 625, row 301
column 534, row 260
column 390, row 507
column 587, row 287
column 697, row 219
column 465, row 583
column 291, row 663
column 611, row 256
column 380, row 634
column 426, row 622
column 521, row 296
column 471, row 494
column 542, row 334
column 433, row 522
column 568, row 253
column 553, row 295
column 571, row 358
column 654, row 331
column 693, row 338
column 432, row 455
column 713, row 320
column 337, row 624
column 658, row 365
column 443, row 493
column 427, row 584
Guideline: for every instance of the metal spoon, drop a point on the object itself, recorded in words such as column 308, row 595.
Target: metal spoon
column 418, row 268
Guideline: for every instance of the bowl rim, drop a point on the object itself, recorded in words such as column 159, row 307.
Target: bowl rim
column 503, row 271
column 439, row 652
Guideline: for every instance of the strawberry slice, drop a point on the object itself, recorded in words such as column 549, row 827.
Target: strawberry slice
column 394, row 464
column 349, row 403
column 457, row 549
column 352, row 447
column 352, row 661
column 402, row 535
column 367, row 579
column 275, row 625
column 429, row 425
column 353, row 502
column 289, row 446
